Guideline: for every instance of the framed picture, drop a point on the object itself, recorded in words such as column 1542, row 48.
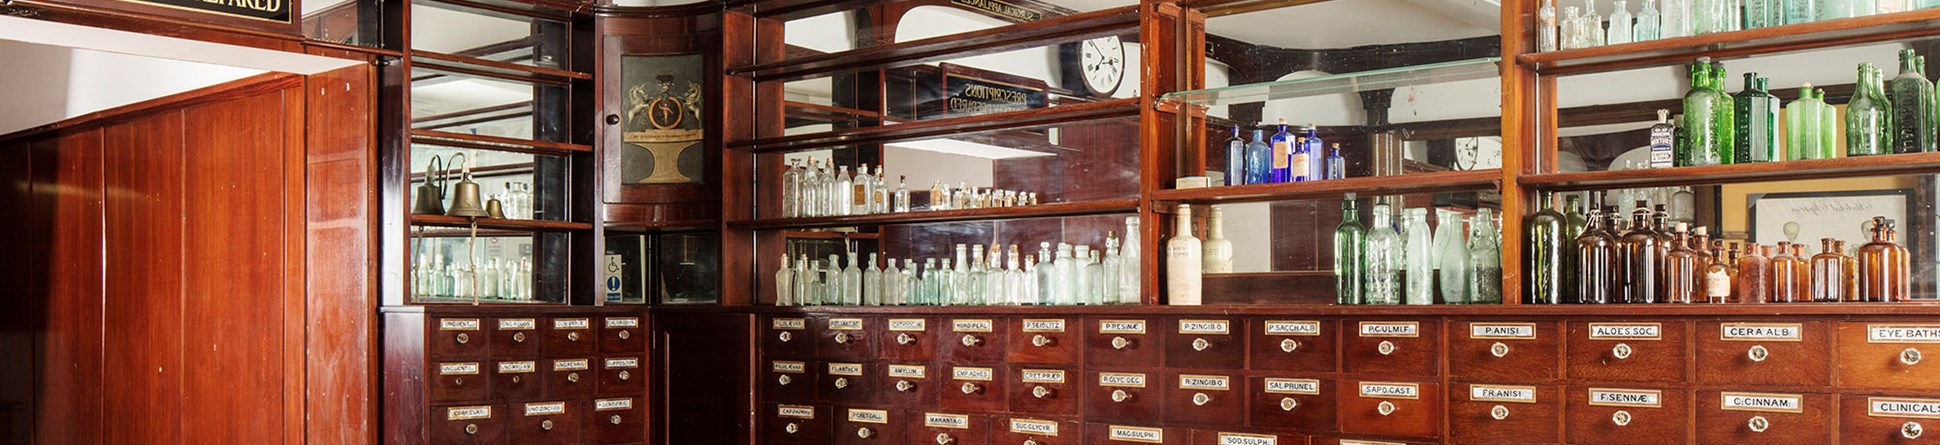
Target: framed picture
column 1806, row 217
column 661, row 122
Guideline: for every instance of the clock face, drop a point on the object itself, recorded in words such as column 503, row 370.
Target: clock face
column 1102, row 61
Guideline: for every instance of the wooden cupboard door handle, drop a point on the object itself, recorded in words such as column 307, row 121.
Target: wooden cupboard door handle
column 462, row 338
column 1385, row 348
column 1499, row 349
column 791, row 428
column 546, row 425
column 1201, row 399
column 1040, row 392
column 785, row 337
column 1911, row 430
column 864, row 432
column 841, row 383
column 971, row 340
column 1621, row 351
column 1499, row 412
column 1040, row 340
column 784, row 380
column 971, row 388
column 1288, row 404
column 905, row 339
column 1200, row 344
column 1758, row 424
column 518, row 337
column 1910, row 357
column 572, row 336
column 904, row 386
column 1120, row 342
column 471, row 429
column 944, row 439
column 842, row 338
column 1385, row 408
column 1621, row 418
column 1758, row 353
column 1119, row 395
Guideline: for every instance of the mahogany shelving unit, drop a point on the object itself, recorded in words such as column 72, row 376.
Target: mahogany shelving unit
column 939, row 216
column 536, row 225
column 1775, row 39
column 1882, row 165
column 1050, row 31
column 1005, row 121
column 1428, row 182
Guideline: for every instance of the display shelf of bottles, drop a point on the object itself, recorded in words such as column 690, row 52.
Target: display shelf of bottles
column 1472, row 69
column 1679, row 50
column 1879, row 165
column 527, row 225
column 1011, row 120
column 483, row 142
column 1429, row 182
column 493, row 66
column 1049, row 31
column 1911, row 308
column 1080, row 208
column 825, row 234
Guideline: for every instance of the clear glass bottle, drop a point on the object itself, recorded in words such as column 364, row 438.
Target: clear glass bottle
column 1785, row 286
column 1283, row 147
column 1485, row 259
column 1675, row 19
column 1113, row 266
column 1592, row 25
column 1218, row 255
column 1131, row 281
column 852, row 282
column 993, row 277
column 1382, row 257
column 1047, row 275
column 1640, row 257
column 1754, row 275
column 1709, row 16
column 1350, row 273
column 1094, row 279
column 900, row 203
column 1801, row 11
column 1828, row 283
column 859, row 191
column 1420, row 258
column 1913, row 107
column 963, row 282
column 1235, row 159
column 1182, row 262
column 939, row 198
column 1620, row 28
column 840, row 190
column 1756, row 117
column 935, row 281
column 1546, row 236
column 808, row 281
column 1259, row 159
column 1572, row 27
column 872, row 283
column 1451, row 257
column 791, row 190
column 1700, row 125
column 1757, row 13
column 1649, row 25
column 1015, row 282
column 1066, row 275
column 784, row 284
column 1029, row 293
column 1546, row 26
column 1684, row 270
column 1868, row 117
column 878, row 192
column 894, row 283
column 809, row 200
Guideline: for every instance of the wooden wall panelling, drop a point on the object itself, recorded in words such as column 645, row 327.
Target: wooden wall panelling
column 144, row 268
column 1161, row 141
column 341, row 294
column 68, row 185
column 18, row 245
column 1518, row 140
column 703, row 364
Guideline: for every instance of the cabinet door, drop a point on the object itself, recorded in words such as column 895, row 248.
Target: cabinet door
column 1627, row 351
column 1763, row 418
column 863, row 426
column 1122, row 342
column 1764, row 353
column 950, row 428
column 567, row 379
column 1044, row 391
column 515, row 338
column 848, row 383
column 458, row 382
column 973, row 388
column 1123, row 395
column 787, row 337
column 1504, row 350
column 1033, row 430
column 1881, row 420
column 1293, row 345
column 1203, row 398
column 571, row 337
column 909, row 340
column 907, row 385
column 846, row 338
column 1888, row 355
column 457, row 338
column 622, row 335
column 1206, row 343
column 973, row 341
column 1406, row 348
column 546, row 423
column 1481, row 414
column 1292, row 402
column 1042, row 341
column 1393, row 408
column 517, row 381
column 795, row 424
column 791, row 381
column 468, row 425
column 1622, row 415
column 621, row 376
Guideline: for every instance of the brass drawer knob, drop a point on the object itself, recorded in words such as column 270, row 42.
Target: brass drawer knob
column 784, row 380
column 1758, row 424
column 904, row 386
column 1385, row 348
column 624, row 375
column 1040, row 392
column 1200, row 399
column 1040, row 340
column 971, row 388
column 1758, row 353
column 462, row 338
column 1499, row 350
column 615, row 419
column 546, row 425
column 1030, row 442
column 471, row 429
column 1200, row 344
column 944, row 439
column 785, row 337
column 841, row 383
column 791, row 428
column 842, row 338
column 864, row 432
column 515, row 379
column 1911, row 430
column 1621, row 418
column 905, row 339
column 1289, row 345
column 626, row 335
column 1120, row 396
column 518, row 337
column 1385, row 408
column 971, row 340
column 1620, row 351
column 1120, row 342
column 1910, row 357
column 1288, row 404
column 1499, row 412
column 572, row 336
column 458, row 381
column 572, row 377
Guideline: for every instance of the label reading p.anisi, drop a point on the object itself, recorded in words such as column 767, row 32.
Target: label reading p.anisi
column 795, row 411
column 1390, row 390
column 1121, row 326
column 1205, row 382
column 457, row 324
column 468, row 412
column 572, row 323
column 1390, row 329
column 1136, row 434
column 517, row 367
column 1500, row 393
column 613, row 404
column 1759, row 332
column 978, row 325
column 1247, row 439
column 1773, row 403
column 1293, row 386
column 906, row 371
column 517, row 324
column 789, row 324
column 1205, row 327
column 1302, row 328
column 468, row 368
column 868, row 416
column 790, row 367
column 845, row 324
column 1044, row 325
column 852, row 369
column 1043, row 376
column 957, row 421
column 1626, row 331
column 627, row 322
column 1511, row 331
column 1903, row 333
column 908, row 324
column 1121, row 379
column 1647, row 398
column 545, row 409
column 964, row 373
column 1903, row 408
column 1032, row 426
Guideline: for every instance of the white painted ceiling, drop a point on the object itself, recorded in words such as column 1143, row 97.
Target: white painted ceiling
column 1351, row 23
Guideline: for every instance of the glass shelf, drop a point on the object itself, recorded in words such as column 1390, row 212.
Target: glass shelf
column 1471, row 69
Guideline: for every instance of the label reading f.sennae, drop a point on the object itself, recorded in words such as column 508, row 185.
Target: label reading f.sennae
column 965, row 373
column 626, row 322
column 1205, row 382
column 1390, row 329
column 1501, row 393
column 1121, row 379
column 1647, row 398
column 1293, row 386
column 1285, row 327
column 907, row 371
column 1044, row 325
column 1380, row 390
column 790, row 367
column 845, row 324
column 468, row 412
column 1043, row 376
column 457, row 324
column 956, row 421
column 467, row 368
column 908, row 324
column 623, row 362
column 795, row 411
column 517, row 367
column 789, row 324
column 613, row 404
column 1771, row 403
column 517, row 324
column 1903, row 333
column 1626, row 331
column 1205, row 327
column 868, row 416
column 1032, row 426
column 1903, row 408
column 572, row 323
column 1121, row 326
column 1136, row 434
column 1509, row 331
column 570, row 365
column 851, row 369
column 1247, row 439
column 545, row 409
column 1760, row 332
column 976, row 325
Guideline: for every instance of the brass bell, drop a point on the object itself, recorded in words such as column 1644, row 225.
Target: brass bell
column 431, row 196
column 493, row 209
column 464, row 196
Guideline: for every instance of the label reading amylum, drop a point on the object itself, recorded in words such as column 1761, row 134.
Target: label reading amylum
column 795, row 411
column 1903, row 408
column 1500, row 393
column 457, row 324
column 854, row 369
column 907, row 324
column 517, row 367
column 572, row 323
column 1390, row 329
column 1121, row 379
column 1626, row 331
column 1302, row 328
column 624, row 362
column 621, row 404
column 1511, row 331
column 981, row 325
column 1043, row 376
column 1293, row 386
column 1903, row 333
column 468, row 412
column 1121, row 326
column 1647, row 398
column 1031, row 426
column 468, row 368
column 1247, row 439
column 963, row 373
column 1774, row 403
column 957, row 421
column 1205, row 382
column 1205, row 327
column 789, row 324
column 545, row 409
column 517, row 324
column 1136, row 434
column 1760, row 332
column 1390, row 390
column 868, row 416
column 906, row 371
column 845, row 324
column 628, row 322
column 790, row 367
column 1044, row 325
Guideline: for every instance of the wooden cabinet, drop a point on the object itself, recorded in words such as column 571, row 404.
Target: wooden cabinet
column 1611, row 415
column 788, row 337
column 1398, row 347
column 1047, row 341
column 1879, row 420
column 1504, row 414
column 470, row 424
column 845, row 383
column 1631, row 350
column 515, row 337
column 846, row 338
column 1889, row 355
column 1293, row 345
column 1225, row 437
column 1292, row 402
column 457, row 337
column 1123, row 395
column 908, row 385
column 1117, row 434
column 792, row 381
column 1764, row 417
column 1193, row 397
column 1391, row 408
column 1507, row 350
column 974, row 388
column 974, row 340
column 1208, row 342
column 571, row 337
column 908, row 339
column 1044, row 391
column 859, row 426
column 796, row 424
column 1007, row 430
column 945, row 428
column 546, row 423
column 1769, row 353
column 1122, row 342
column 621, row 335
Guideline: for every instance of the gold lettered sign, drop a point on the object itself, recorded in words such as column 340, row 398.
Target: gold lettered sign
column 276, row 11
column 1002, row 9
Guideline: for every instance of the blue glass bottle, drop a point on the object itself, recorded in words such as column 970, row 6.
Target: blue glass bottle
column 1316, row 155
column 1235, row 159
column 1282, row 154
column 1336, row 164
column 1259, row 163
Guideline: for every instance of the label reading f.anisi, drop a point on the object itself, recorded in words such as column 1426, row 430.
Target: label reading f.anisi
column 1301, row 328
column 1121, row 326
column 1293, row 386
column 1247, row 439
column 1044, row 325
column 1772, row 403
column 1903, row 333
column 1205, row 327
column 1903, row 408
column 956, row 421
column 1626, row 331
column 1136, row 434
column 1500, row 393
column 1205, row 382
column 1390, row 329
column 1390, row 390
column 1646, row 398
column 1502, row 331
column 1760, row 332
column 1032, row 426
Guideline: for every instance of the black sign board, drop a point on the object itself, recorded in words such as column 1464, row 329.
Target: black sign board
column 266, row 10
column 969, row 96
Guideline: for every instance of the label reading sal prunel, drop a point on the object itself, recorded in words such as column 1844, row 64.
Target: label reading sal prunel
column 1293, row 386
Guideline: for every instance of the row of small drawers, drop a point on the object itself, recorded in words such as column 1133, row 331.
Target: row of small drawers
column 1477, row 414
column 1788, row 353
column 608, row 421
column 532, row 337
column 531, row 380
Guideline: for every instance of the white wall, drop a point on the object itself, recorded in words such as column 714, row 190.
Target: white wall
column 52, row 83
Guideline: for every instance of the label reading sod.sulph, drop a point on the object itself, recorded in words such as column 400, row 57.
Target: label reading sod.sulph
column 788, row 324
column 626, row 322
column 1136, row 434
column 570, row 365
column 1287, row 327
column 851, row 369
column 517, row 324
column 1293, row 386
column 623, row 362
column 1043, row 376
column 1502, row 393
column 517, row 367
column 908, row 324
column 545, row 409
column 1205, row 382
column 468, row 412
column 845, row 324
column 964, row 373
column 1648, row 398
column 957, row 421
column 790, row 367
column 1390, row 329
column 467, row 368
column 1032, row 426
column 1121, row 326
column 1121, row 379
column 1903, row 408
column 795, row 411
column 457, row 324
column 868, row 416
column 1773, row 403
column 1044, row 325
column 1205, row 327
column 1510, row 331
column 1902, row 333
column 1626, row 331
column 572, row 323
column 975, row 325
column 1247, row 439
column 613, row 404
column 907, row 371
column 1760, row 332
column 1390, row 390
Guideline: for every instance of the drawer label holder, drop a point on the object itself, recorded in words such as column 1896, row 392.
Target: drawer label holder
column 625, row 322
column 1205, row 327
column 1121, row 380
column 953, row 421
column 572, row 323
column 1304, row 328
column 1502, row 331
column 1309, row 387
column 845, row 324
column 624, row 362
column 624, row 403
column 1383, row 390
column 1770, row 403
column 457, row 324
column 517, row 367
column 468, row 412
column 1643, row 398
column 1903, row 333
column 1903, row 408
column 1791, row 332
column 1043, row 376
column 1205, row 382
column 466, row 368
column 790, row 367
column 848, row 369
column 869, row 416
column 1044, row 325
column 1626, row 331
column 517, row 324
column 1121, row 326
column 977, row 325
column 545, row 409
column 1247, row 439
column 1135, row 434
column 570, row 365
column 1034, row 426
column 908, row 324
column 1502, row 393
column 967, row 373
column 788, row 324
column 1403, row 329
column 907, row 371
column 795, row 411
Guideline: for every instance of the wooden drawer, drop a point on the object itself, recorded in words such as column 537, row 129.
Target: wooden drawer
column 795, row 424
column 949, row 428
column 1889, row 355
column 571, row 337
column 515, row 338
column 1483, row 414
column 787, row 337
column 847, row 383
column 469, row 424
column 1116, row 434
column 1291, row 402
column 546, row 423
column 791, row 381
column 1390, row 408
column 1763, row 418
column 973, row 388
column 860, row 426
column 622, row 376
column 846, row 338
column 1122, row 342
column 1505, row 350
column 1631, row 351
column 1123, row 395
column 908, row 339
column 1206, row 343
column 1868, row 420
column 1042, row 341
column 517, row 381
column 1204, row 398
column 457, row 338
column 1224, row 437
column 1353, row 441
column 619, row 335
column 1609, row 415
column 567, row 379
column 1764, row 353
column 908, row 385
column 1044, row 391
column 617, row 421
column 458, row 382
column 974, row 341
column 1038, row 431
column 1409, row 348
column 1293, row 345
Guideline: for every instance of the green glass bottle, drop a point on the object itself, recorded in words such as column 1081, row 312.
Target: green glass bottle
column 1680, row 142
column 1867, row 117
column 1542, row 263
column 1756, row 119
column 1701, row 108
column 1723, row 117
column 1913, row 107
column 1802, row 126
column 1349, row 238
column 1828, row 126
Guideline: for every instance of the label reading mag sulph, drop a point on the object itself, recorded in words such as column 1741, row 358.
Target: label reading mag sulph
column 795, row 412
column 545, row 409
column 1205, row 327
column 1293, row 386
column 956, row 421
column 1390, row 329
column 1626, row 331
column 788, row 324
column 849, row 369
column 1034, row 427
column 963, row 373
column 1902, row 333
column 1121, row 380
column 1647, row 398
column 517, row 367
column 1044, row 325
column 467, row 368
column 1043, row 376
column 572, row 323
column 869, row 416
column 1903, row 408
column 1771, row 403
column 980, row 325
column 1500, row 393
column 628, row 322
column 908, row 324
column 1121, row 326
column 468, row 412
column 1247, row 439
column 1136, row 434
column 1760, row 332
column 1502, row 331
column 517, row 324
column 457, row 324
column 1205, row 382
column 1391, row 390
column 1301, row 328
column 613, row 404
column 845, row 324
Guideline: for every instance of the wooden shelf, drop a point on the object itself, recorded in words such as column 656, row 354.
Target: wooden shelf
column 1012, row 120
column 939, row 216
column 1882, row 165
column 1046, row 32
column 497, row 67
column 524, row 225
column 1921, row 308
column 481, row 142
column 1344, row 83
column 1682, row 50
column 1365, row 186
column 803, row 234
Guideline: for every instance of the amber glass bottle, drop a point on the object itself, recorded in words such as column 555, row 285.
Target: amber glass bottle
column 1717, row 277
column 1684, row 270
column 1642, row 260
column 1785, row 274
column 1803, row 274
column 1754, row 276
column 1883, row 265
column 1828, row 273
column 1594, row 260
column 1851, row 291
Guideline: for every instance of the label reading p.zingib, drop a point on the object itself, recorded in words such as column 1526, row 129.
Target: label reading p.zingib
column 1205, row 327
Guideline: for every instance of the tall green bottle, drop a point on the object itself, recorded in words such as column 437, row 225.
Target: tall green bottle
column 1701, row 108
column 1756, row 118
column 1868, row 117
column 1349, row 269
column 1802, row 127
column 1543, row 261
column 1724, row 116
column 1913, row 107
